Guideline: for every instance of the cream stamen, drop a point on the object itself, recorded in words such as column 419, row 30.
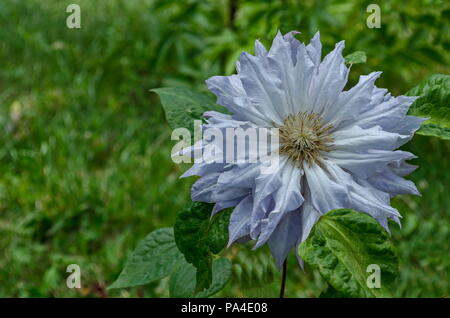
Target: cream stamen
column 304, row 137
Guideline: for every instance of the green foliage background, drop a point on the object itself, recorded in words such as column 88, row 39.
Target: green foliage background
column 85, row 171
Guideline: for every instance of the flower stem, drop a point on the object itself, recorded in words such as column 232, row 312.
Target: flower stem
column 283, row 279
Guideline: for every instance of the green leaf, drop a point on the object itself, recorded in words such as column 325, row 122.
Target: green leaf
column 218, row 231
column 342, row 245
column 183, row 280
column 154, row 258
column 433, row 103
column 357, row 57
column 254, row 268
column 198, row 236
column 330, row 292
column 184, row 105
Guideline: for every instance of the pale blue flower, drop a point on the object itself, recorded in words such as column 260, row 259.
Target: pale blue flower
column 343, row 156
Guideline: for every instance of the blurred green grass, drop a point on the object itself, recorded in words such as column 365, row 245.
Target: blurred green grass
column 84, row 147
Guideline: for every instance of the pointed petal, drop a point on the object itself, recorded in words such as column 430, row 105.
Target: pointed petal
column 349, row 103
column 366, row 164
column 326, row 194
column 262, row 86
column 329, row 81
column 286, row 199
column 285, row 236
column 314, row 49
column 231, row 94
column 391, row 183
column 358, row 140
column 240, row 220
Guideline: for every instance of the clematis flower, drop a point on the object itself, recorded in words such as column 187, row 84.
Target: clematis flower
column 337, row 148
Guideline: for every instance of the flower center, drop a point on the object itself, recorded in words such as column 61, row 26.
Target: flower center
column 304, row 137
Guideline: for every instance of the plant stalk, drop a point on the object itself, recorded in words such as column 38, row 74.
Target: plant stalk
column 283, row 279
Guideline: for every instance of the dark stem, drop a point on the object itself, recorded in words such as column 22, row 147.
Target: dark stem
column 233, row 7
column 283, row 279
column 230, row 22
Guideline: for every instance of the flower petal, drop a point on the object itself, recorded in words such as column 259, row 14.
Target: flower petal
column 286, row 199
column 326, row 194
column 366, row 164
column 314, row 49
column 240, row 220
column 393, row 184
column 349, row 103
column 328, row 82
column 358, row 140
column 231, row 94
column 285, row 236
